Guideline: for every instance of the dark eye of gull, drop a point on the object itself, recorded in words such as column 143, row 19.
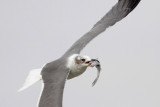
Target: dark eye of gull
column 83, row 60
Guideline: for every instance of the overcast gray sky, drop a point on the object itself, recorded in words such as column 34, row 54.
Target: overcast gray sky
column 34, row 32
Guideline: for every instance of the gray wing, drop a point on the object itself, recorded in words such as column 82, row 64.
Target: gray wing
column 118, row 12
column 54, row 76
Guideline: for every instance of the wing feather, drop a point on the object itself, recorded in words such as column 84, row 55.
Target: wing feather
column 118, row 12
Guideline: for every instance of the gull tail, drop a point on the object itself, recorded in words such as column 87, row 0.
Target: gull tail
column 33, row 77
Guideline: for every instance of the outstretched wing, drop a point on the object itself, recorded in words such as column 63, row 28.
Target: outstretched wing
column 54, row 76
column 118, row 12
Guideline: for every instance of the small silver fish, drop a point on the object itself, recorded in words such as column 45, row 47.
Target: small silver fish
column 96, row 63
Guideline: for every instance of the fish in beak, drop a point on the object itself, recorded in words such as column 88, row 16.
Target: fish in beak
column 95, row 63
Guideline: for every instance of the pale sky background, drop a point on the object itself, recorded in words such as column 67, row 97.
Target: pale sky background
column 34, row 32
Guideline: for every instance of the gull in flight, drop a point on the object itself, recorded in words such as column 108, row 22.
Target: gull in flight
column 71, row 64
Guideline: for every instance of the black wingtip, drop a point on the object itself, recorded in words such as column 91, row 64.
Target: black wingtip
column 128, row 4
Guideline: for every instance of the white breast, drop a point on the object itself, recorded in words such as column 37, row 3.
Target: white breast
column 76, row 71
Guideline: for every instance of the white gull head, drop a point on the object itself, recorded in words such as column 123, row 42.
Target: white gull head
column 77, row 65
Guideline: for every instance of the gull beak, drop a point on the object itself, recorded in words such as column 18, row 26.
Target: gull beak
column 93, row 63
column 89, row 63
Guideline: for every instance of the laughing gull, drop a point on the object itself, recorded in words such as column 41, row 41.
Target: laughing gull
column 72, row 64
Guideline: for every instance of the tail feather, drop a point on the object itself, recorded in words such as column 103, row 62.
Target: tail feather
column 33, row 77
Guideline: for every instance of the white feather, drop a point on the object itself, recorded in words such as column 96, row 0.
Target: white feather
column 33, row 77
column 40, row 94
